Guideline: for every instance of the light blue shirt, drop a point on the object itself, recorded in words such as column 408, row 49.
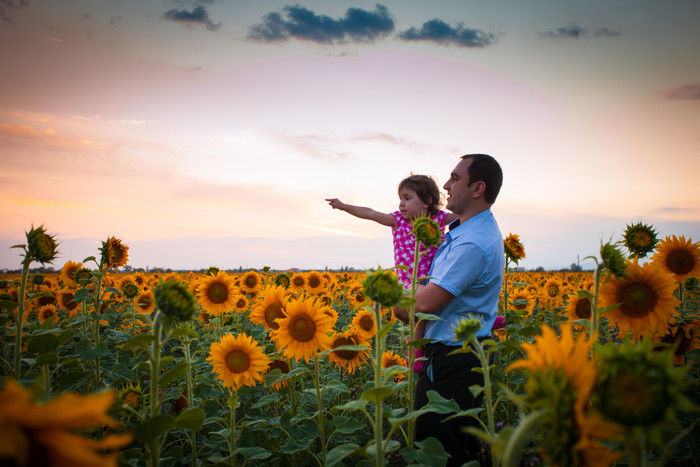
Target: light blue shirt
column 469, row 265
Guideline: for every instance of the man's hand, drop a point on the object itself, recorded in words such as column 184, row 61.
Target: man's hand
column 401, row 314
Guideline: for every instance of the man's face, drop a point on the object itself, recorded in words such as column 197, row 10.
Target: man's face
column 459, row 194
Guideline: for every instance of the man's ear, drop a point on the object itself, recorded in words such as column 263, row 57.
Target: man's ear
column 479, row 189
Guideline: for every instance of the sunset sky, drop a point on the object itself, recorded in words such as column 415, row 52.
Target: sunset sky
column 208, row 133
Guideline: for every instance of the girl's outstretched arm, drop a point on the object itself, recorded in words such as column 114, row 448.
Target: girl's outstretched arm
column 363, row 212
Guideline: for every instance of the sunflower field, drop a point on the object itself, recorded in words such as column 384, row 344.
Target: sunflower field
column 104, row 368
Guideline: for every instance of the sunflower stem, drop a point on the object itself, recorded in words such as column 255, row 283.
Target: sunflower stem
column 594, row 301
column 487, row 391
column 98, row 307
column 411, row 429
column 155, row 373
column 20, row 316
column 233, row 401
column 190, row 395
column 378, row 383
column 319, row 399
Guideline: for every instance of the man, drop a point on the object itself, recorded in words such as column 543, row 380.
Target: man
column 467, row 274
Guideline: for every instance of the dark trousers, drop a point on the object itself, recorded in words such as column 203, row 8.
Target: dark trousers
column 451, row 376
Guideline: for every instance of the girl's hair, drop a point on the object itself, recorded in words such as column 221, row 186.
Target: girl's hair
column 426, row 189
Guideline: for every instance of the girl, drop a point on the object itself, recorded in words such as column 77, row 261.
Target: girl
column 418, row 196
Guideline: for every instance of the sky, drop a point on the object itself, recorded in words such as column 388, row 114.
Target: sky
column 210, row 132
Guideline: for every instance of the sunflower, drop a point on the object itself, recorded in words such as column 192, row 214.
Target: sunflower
column 238, row 361
column 304, row 331
column 270, row 308
column 358, row 298
column 66, row 301
column 523, row 301
column 560, row 379
column 217, row 293
column 314, row 282
column 68, row 272
column 41, row 247
column 365, row 323
column 684, row 338
column 514, row 249
column 578, row 308
column 552, row 293
column 329, row 311
column 281, row 365
column 251, row 282
column 391, row 359
column 114, row 253
column 679, row 256
column 350, row 360
column 47, row 312
column 48, row 434
column 640, row 239
column 645, row 298
column 145, row 302
column 49, row 299
column 298, row 281
column 240, row 303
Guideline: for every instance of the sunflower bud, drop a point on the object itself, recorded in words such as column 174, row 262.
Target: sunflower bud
column 37, row 279
column 41, row 247
column 427, row 231
column 466, row 329
column 640, row 239
column 212, row 271
column 82, row 276
column 130, row 290
column 692, row 284
column 613, row 259
column 175, row 300
column 383, row 287
column 638, row 387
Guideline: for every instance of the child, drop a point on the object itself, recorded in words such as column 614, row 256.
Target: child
column 418, row 196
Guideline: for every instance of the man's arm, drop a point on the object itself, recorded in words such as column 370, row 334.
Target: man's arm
column 429, row 299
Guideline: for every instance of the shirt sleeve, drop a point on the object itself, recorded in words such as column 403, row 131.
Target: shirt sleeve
column 461, row 267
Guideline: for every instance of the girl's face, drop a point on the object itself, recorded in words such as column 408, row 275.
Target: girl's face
column 410, row 205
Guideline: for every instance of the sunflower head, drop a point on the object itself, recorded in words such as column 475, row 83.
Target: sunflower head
column 251, row 282
column 347, row 358
column 114, row 253
column 216, row 293
column 304, row 331
column 364, row 322
column 679, row 256
column 513, row 247
column 284, row 368
column 640, row 239
column 41, row 247
column 238, row 361
column 175, row 300
column 644, row 297
column 637, row 387
column 427, row 231
column 47, row 312
column 383, row 287
column 613, row 259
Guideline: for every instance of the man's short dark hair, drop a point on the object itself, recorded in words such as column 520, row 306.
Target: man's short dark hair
column 485, row 168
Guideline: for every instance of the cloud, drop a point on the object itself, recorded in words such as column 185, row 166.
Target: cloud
column 300, row 23
column 574, row 31
column 442, row 33
column 198, row 15
column 5, row 6
column 689, row 92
